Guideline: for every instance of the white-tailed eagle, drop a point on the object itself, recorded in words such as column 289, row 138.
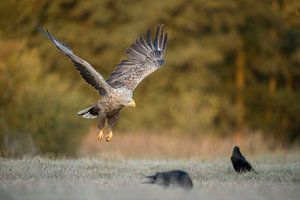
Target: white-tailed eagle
column 143, row 58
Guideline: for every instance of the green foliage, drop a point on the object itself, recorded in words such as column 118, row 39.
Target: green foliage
column 230, row 66
column 37, row 110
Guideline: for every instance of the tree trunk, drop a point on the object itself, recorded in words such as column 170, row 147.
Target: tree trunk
column 289, row 81
column 272, row 85
column 240, row 84
column 275, row 5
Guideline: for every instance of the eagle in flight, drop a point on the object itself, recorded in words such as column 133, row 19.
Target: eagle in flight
column 143, row 58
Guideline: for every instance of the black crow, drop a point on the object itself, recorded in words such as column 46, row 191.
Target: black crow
column 171, row 178
column 239, row 162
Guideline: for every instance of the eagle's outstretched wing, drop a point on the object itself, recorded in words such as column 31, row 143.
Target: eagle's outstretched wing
column 144, row 57
column 86, row 70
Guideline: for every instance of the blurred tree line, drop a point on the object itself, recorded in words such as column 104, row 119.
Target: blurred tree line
column 231, row 67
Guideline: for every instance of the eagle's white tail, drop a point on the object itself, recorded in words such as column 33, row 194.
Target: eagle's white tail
column 89, row 113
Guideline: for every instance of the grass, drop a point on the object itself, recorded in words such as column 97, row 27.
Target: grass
column 104, row 178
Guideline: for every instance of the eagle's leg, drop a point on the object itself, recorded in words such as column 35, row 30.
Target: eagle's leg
column 111, row 124
column 100, row 135
column 109, row 136
column 101, row 124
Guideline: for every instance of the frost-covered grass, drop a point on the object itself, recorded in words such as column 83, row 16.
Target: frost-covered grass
column 38, row 178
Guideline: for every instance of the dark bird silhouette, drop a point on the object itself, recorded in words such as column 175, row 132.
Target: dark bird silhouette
column 176, row 178
column 239, row 162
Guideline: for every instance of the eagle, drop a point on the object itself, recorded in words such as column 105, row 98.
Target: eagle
column 143, row 58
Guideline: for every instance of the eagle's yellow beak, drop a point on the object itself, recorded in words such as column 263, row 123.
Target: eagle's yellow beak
column 131, row 103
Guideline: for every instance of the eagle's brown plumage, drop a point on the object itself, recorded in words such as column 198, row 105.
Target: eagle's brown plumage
column 143, row 58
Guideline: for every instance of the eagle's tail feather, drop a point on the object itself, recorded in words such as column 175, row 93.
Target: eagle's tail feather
column 90, row 112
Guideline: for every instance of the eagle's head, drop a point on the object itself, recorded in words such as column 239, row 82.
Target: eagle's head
column 124, row 97
column 129, row 102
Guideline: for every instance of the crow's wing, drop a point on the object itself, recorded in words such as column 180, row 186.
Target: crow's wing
column 244, row 163
column 234, row 163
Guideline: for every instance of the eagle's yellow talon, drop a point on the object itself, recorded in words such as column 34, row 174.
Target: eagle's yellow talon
column 100, row 135
column 109, row 136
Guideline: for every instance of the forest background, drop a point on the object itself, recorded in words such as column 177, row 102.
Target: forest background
column 231, row 71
